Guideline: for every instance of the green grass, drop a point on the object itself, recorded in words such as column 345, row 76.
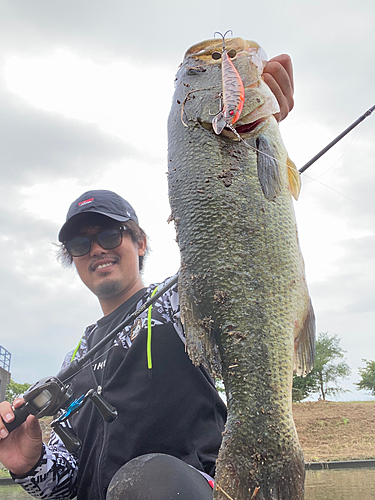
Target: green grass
column 4, row 473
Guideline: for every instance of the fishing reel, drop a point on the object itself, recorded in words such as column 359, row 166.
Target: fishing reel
column 71, row 442
column 48, row 397
column 44, row 398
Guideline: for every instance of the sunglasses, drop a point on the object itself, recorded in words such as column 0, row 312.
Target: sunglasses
column 107, row 239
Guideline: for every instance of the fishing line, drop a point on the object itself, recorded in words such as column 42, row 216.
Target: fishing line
column 312, row 179
column 337, row 139
column 316, row 157
column 289, row 167
column 330, row 168
column 89, row 362
column 77, row 365
column 306, row 175
column 359, row 203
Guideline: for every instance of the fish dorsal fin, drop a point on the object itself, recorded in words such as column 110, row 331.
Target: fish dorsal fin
column 294, row 179
column 268, row 168
column 304, row 345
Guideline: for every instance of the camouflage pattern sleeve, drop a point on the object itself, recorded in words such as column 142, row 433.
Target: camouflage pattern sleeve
column 55, row 475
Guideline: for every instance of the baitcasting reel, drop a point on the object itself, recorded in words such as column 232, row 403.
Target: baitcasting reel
column 50, row 396
column 71, row 442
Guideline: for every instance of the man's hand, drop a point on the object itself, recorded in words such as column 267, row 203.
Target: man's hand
column 21, row 449
column 278, row 75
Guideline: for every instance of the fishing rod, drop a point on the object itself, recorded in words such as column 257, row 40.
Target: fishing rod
column 338, row 138
column 53, row 395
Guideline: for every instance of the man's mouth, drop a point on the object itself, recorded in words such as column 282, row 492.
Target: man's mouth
column 102, row 264
column 105, row 265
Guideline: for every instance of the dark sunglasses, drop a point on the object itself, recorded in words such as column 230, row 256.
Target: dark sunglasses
column 107, row 239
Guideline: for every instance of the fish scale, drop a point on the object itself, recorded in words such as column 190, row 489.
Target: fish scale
column 241, row 283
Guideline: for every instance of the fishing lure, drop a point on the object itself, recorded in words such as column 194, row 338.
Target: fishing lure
column 233, row 96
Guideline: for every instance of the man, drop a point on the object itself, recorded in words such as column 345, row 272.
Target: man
column 165, row 440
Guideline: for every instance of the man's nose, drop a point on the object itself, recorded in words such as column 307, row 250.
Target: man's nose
column 96, row 249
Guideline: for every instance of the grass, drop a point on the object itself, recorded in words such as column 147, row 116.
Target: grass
column 4, row 473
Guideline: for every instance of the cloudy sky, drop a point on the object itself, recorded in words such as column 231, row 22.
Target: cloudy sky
column 85, row 91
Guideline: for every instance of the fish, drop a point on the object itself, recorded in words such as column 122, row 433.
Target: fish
column 244, row 299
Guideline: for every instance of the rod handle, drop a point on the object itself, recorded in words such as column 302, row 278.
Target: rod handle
column 20, row 415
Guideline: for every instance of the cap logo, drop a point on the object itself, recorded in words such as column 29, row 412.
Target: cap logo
column 85, row 202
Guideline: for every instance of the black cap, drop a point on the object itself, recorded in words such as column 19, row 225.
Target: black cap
column 101, row 202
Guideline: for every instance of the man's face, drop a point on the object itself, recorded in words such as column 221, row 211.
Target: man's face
column 112, row 275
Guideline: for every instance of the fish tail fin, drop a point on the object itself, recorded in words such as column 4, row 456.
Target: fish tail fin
column 304, row 345
column 294, row 179
column 268, row 168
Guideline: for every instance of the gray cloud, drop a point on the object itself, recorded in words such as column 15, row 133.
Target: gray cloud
column 44, row 308
column 35, row 144
column 319, row 32
column 43, row 305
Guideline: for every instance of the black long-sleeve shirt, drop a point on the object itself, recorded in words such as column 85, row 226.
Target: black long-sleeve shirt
column 172, row 408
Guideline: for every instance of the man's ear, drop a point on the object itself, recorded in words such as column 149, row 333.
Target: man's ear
column 142, row 245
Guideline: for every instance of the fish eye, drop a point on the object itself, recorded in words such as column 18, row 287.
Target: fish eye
column 216, row 55
column 232, row 53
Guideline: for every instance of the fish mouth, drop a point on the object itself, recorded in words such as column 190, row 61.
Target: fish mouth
column 245, row 130
column 249, row 127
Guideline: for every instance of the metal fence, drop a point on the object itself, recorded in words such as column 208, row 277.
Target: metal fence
column 4, row 359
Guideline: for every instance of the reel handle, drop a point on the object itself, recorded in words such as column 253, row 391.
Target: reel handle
column 71, row 442
column 20, row 415
column 108, row 411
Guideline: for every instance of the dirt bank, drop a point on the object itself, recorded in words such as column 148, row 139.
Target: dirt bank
column 336, row 431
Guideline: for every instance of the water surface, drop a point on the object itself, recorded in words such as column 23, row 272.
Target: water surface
column 339, row 484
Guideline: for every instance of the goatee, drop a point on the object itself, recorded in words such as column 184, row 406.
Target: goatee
column 108, row 289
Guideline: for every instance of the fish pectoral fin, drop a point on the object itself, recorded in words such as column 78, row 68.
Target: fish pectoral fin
column 294, row 179
column 304, row 345
column 201, row 342
column 268, row 168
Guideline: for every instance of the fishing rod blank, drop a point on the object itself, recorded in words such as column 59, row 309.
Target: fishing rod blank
column 338, row 138
column 47, row 396
column 76, row 365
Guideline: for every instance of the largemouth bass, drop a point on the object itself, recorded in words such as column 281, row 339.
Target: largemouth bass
column 243, row 295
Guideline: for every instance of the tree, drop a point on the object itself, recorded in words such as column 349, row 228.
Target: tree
column 328, row 371
column 367, row 381
column 303, row 386
column 324, row 378
column 14, row 390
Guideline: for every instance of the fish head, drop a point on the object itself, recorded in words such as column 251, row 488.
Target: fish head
column 199, row 85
